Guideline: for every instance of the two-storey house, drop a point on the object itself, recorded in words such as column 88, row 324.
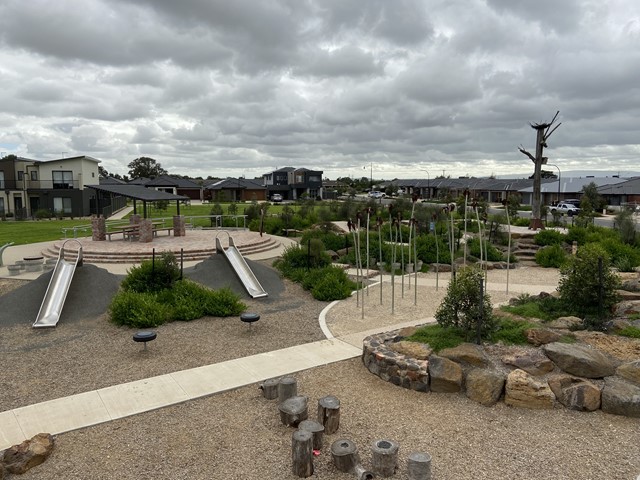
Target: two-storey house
column 294, row 183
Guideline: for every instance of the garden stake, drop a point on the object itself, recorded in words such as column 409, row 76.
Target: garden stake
column 415, row 260
column 435, row 234
column 506, row 209
column 466, row 197
column 401, row 251
column 381, row 267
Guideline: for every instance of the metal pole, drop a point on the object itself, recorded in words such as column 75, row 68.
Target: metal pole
column 480, row 316
column 381, row 268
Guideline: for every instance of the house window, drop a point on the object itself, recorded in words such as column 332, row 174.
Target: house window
column 1, row 205
column 34, row 175
column 63, row 179
column 1, row 181
column 61, row 204
column 20, row 175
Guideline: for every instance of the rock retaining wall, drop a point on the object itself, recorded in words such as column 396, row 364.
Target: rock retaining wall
column 575, row 376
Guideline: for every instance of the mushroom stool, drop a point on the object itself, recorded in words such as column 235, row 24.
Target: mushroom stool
column 145, row 336
column 249, row 318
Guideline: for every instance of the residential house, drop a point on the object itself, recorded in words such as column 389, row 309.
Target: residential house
column 54, row 185
column 176, row 186
column 294, row 183
column 626, row 192
column 236, row 190
column 561, row 189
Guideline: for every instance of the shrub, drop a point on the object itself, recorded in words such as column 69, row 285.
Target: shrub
column 138, row 310
column 548, row 237
column 618, row 250
column 464, row 308
column 297, row 256
column 511, row 332
column 427, row 252
column 583, row 289
column 152, row 276
column 43, row 213
column 552, row 256
column 489, row 252
column 438, row 337
column 333, row 285
column 224, row 303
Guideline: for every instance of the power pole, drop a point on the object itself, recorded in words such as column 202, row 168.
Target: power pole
column 543, row 132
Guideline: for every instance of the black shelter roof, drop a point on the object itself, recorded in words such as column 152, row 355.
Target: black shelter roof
column 137, row 192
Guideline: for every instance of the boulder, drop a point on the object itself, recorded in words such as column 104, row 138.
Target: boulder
column 534, row 362
column 522, row 390
column 624, row 309
column 620, row 397
column 630, row 371
column 579, row 360
column 484, row 386
column 30, row 453
column 440, row 267
column 541, row 336
column 419, row 351
column 469, row 353
column 446, row 375
column 628, row 296
column 631, row 285
column 575, row 393
column 565, row 322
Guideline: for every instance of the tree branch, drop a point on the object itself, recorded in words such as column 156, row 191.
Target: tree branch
column 522, row 150
column 547, row 135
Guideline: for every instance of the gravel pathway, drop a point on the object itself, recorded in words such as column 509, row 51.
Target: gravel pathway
column 238, row 435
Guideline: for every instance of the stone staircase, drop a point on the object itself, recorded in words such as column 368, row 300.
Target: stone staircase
column 95, row 255
column 524, row 248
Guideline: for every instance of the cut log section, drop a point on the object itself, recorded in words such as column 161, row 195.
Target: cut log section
column 329, row 414
column 287, row 388
column 346, row 459
column 316, row 429
column 384, row 457
column 419, row 466
column 302, row 453
column 270, row 388
column 293, row 411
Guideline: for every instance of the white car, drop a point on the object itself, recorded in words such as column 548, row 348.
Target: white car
column 562, row 208
column 376, row 194
column 276, row 198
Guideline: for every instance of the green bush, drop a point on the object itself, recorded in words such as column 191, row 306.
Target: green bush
column 464, row 308
column 548, row 237
column 426, row 249
column 224, row 303
column 619, row 251
column 297, row 256
column 152, row 276
column 489, row 252
column 333, row 285
column 584, row 291
column 186, row 299
column 511, row 332
column 138, row 310
column 43, row 213
column 552, row 256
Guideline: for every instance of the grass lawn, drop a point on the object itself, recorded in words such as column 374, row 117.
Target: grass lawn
column 24, row 232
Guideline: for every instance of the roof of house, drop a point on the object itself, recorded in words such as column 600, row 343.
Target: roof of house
column 236, row 184
column 170, row 181
column 78, row 157
column 111, row 181
column 574, row 184
column 627, row 187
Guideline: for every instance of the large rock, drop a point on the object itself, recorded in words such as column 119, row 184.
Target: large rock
column 484, row 386
column 575, row 393
column 580, row 360
column 534, row 362
column 620, row 397
column 30, row 453
column 630, row 371
column 467, row 353
column 522, row 390
column 445, row 375
column 419, row 351
column 565, row 322
column 541, row 336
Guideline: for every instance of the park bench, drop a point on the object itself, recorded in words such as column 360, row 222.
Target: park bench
column 162, row 229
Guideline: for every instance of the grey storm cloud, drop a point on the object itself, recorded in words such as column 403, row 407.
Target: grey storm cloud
column 238, row 88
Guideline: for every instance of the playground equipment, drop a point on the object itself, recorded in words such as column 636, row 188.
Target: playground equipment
column 56, row 294
column 2, row 249
column 241, row 268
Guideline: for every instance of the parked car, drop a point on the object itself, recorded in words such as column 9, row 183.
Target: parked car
column 276, row 198
column 376, row 194
column 569, row 208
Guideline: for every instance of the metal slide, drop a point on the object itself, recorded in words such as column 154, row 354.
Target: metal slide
column 239, row 264
column 58, row 288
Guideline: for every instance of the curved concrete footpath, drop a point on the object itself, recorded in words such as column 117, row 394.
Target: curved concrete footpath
column 106, row 404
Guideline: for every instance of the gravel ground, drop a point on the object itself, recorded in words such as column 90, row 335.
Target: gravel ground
column 238, row 435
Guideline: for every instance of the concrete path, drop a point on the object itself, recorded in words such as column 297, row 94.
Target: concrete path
column 99, row 406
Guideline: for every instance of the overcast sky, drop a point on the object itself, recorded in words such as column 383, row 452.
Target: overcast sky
column 241, row 87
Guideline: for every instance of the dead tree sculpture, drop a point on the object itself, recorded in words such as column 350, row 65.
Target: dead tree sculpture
column 543, row 132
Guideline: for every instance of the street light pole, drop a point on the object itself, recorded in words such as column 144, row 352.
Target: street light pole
column 559, row 178
column 428, row 181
